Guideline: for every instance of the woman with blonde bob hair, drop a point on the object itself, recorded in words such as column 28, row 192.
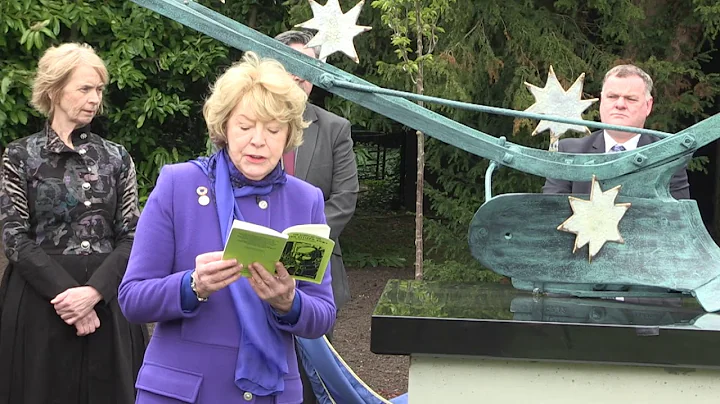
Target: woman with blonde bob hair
column 220, row 337
column 68, row 211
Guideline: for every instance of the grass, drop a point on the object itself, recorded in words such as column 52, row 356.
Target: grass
column 382, row 239
column 374, row 240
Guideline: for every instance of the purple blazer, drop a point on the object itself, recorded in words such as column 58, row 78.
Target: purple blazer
column 191, row 357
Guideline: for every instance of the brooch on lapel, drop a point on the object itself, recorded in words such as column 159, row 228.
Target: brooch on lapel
column 203, row 198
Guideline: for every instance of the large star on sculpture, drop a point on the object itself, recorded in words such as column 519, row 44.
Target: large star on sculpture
column 554, row 100
column 596, row 221
column 335, row 29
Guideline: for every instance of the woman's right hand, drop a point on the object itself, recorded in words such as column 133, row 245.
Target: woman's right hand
column 213, row 273
column 88, row 324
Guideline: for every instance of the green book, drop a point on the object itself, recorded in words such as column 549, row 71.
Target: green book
column 304, row 250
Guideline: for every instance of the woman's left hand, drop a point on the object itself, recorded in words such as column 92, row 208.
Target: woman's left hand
column 75, row 303
column 278, row 290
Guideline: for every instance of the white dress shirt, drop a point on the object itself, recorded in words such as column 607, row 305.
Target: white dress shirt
column 630, row 144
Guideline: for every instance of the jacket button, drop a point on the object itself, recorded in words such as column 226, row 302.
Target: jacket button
column 87, row 203
column 85, row 245
column 86, row 186
column 247, row 396
column 82, row 152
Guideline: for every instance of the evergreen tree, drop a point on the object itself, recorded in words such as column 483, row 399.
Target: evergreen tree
column 495, row 46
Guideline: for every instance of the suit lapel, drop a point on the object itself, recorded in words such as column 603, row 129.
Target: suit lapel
column 644, row 140
column 306, row 150
column 598, row 144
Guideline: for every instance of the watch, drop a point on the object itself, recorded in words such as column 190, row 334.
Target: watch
column 194, row 289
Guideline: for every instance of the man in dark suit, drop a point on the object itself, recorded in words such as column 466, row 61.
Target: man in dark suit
column 625, row 100
column 326, row 160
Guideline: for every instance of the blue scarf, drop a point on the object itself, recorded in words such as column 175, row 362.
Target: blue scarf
column 262, row 360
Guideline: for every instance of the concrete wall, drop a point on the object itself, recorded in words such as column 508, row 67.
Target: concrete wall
column 460, row 380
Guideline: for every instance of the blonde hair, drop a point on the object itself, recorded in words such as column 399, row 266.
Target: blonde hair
column 54, row 70
column 264, row 86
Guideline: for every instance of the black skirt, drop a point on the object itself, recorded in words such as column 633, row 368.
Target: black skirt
column 43, row 361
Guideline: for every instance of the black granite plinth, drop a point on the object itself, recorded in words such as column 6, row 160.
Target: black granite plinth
column 499, row 321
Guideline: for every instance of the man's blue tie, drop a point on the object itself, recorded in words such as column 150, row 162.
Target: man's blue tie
column 617, row 148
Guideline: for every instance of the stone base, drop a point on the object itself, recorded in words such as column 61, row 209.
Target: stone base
column 457, row 380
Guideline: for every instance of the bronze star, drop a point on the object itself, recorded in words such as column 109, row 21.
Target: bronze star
column 596, row 221
column 335, row 29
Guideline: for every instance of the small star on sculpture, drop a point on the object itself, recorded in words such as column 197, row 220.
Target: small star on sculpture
column 335, row 29
column 596, row 221
column 554, row 100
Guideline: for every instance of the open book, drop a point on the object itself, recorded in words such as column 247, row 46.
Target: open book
column 304, row 250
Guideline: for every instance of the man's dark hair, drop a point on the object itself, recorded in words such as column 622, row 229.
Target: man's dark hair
column 297, row 37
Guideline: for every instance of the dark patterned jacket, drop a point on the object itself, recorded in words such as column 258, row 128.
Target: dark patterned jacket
column 55, row 200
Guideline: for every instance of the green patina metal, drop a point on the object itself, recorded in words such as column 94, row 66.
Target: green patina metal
column 667, row 247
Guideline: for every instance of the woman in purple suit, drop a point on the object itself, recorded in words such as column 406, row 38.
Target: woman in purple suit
column 221, row 338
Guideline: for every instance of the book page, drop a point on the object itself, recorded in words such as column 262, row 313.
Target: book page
column 319, row 229
column 306, row 256
column 256, row 228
